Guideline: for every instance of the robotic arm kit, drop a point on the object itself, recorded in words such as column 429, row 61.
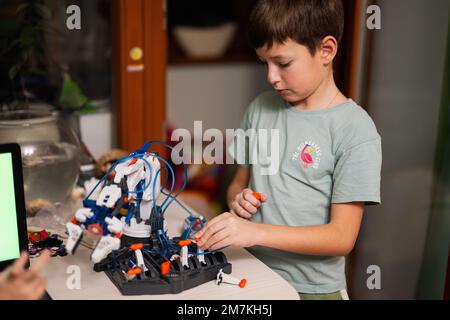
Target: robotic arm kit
column 134, row 249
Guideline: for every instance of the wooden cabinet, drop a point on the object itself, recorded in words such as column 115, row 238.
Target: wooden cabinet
column 140, row 87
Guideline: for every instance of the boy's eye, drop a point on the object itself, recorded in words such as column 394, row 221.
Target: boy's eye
column 284, row 65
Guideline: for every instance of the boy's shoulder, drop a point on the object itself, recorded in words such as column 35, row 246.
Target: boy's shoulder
column 353, row 126
column 267, row 101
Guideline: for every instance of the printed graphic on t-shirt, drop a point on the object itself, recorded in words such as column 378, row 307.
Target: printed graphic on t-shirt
column 308, row 154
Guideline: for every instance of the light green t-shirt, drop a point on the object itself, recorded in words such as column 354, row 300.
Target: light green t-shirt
column 325, row 156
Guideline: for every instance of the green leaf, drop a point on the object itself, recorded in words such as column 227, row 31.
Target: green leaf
column 14, row 70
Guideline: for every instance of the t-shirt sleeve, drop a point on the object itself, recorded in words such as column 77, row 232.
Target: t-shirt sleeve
column 357, row 174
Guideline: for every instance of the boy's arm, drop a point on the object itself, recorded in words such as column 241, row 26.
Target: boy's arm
column 337, row 238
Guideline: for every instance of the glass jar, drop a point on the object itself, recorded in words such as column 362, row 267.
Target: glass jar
column 50, row 153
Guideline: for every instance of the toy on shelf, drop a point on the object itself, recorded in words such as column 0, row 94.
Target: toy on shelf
column 134, row 249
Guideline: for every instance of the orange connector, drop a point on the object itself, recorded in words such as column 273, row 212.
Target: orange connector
column 134, row 271
column 257, row 195
column 242, row 283
column 165, row 267
column 133, row 161
column 136, row 246
column 183, row 243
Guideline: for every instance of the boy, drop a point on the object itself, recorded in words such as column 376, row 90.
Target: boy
column 330, row 155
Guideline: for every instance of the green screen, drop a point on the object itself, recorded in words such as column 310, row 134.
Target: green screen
column 9, row 237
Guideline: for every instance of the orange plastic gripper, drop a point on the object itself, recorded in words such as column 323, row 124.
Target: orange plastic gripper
column 257, row 195
column 242, row 283
column 136, row 246
column 134, row 271
column 133, row 161
column 183, row 243
column 165, row 267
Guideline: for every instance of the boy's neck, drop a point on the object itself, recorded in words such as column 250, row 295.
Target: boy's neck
column 327, row 95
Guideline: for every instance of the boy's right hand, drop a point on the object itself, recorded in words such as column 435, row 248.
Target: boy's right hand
column 245, row 204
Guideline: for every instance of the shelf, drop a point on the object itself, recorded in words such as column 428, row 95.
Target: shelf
column 226, row 59
column 238, row 50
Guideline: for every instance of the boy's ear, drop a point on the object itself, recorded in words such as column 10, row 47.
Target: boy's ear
column 328, row 49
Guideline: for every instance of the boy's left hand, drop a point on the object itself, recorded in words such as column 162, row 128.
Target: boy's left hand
column 227, row 229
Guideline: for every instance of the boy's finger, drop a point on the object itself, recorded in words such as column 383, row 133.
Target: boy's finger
column 224, row 243
column 251, row 198
column 210, row 232
column 241, row 212
column 264, row 197
column 249, row 207
column 41, row 262
column 206, row 227
column 217, row 237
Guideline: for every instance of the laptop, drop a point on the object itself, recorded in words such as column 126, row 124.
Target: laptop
column 13, row 223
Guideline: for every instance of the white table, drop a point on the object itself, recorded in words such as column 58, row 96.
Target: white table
column 262, row 282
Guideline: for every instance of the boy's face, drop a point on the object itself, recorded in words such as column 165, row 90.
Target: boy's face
column 292, row 70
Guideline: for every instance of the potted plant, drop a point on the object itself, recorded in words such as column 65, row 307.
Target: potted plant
column 50, row 148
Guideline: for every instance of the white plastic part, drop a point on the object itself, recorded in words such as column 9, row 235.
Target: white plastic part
column 222, row 277
column 133, row 180
column 155, row 181
column 109, row 196
column 90, row 185
column 136, row 230
column 114, row 225
column 184, row 256
column 175, row 256
column 200, row 255
column 104, row 247
column 83, row 214
column 126, row 168
column 145, row 209
column 74, row 232
column 140, row 260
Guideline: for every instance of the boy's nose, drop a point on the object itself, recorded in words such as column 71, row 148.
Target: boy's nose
column 272, row 76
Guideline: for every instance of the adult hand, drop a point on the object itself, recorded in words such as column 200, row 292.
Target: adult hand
column 19, row 283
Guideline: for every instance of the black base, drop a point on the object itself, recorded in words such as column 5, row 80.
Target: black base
column 176, row 281
column 152, row 281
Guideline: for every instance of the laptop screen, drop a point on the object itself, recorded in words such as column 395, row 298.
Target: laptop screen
column 9, row 233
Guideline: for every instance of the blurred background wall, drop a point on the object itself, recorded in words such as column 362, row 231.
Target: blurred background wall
column 405, row 91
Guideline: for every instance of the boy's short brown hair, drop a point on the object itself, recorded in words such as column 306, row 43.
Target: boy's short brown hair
column 304, row 21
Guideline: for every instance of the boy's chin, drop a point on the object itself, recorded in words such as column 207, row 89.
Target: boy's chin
column 291, row 98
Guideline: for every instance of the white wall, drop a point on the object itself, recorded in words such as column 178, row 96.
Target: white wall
column 217, row 94
column 405, row 91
